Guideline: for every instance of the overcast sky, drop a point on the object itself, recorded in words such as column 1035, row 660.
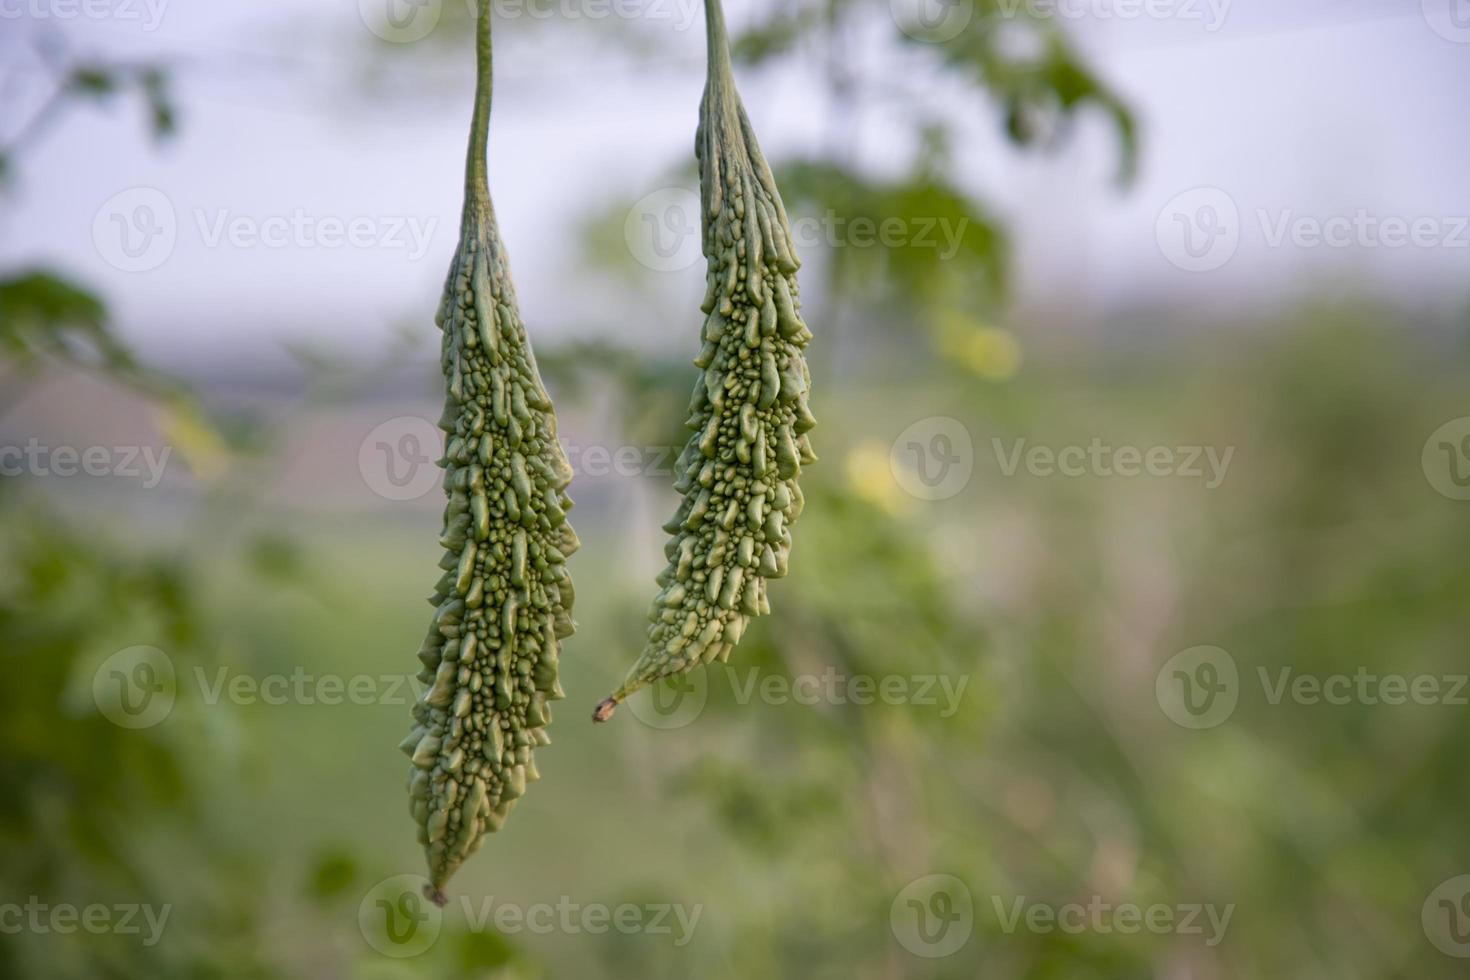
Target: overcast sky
column 1286, row 148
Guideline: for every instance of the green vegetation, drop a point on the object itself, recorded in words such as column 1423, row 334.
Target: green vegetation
column 967, row 674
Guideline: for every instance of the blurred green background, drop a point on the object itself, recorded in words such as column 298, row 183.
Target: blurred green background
column 204, row 679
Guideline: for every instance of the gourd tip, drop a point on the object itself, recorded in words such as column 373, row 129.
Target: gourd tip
column 436, row 896
column 604, row 709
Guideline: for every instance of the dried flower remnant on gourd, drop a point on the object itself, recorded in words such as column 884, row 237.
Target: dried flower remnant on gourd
column 749, row 411
column 504, row 602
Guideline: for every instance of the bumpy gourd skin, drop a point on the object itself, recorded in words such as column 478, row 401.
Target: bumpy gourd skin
column 504, row 602
column 738, row 472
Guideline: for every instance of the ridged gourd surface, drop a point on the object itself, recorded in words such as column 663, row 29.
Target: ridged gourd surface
column 748, row 411
column 503, row 605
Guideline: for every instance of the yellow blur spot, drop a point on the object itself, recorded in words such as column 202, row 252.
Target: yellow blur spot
column 869, row 476
column 992, row 353
column 194, row 438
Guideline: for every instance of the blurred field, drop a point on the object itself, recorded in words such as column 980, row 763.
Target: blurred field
column 1125, row 634
column 793, row 828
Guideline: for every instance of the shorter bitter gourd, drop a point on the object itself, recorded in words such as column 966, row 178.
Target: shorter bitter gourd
column 749, row 412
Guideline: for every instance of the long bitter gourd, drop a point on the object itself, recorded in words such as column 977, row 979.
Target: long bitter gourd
column 749, row 412
column 504, row 603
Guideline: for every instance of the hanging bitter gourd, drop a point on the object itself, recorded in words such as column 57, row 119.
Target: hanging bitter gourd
column 504, row 603
column 749, row 412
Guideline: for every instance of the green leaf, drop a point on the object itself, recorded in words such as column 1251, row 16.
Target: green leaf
column 334, row 874
column 92, row 80
column 943, row 240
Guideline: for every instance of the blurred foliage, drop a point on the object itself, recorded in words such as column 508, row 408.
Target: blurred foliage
column 1003, row 60
column 917, row 263
column 1021, row 64
column 792, row 827
column 88, row 80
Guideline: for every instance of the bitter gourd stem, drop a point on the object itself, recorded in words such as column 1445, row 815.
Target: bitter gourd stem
column 719, row 47
column 476, row 176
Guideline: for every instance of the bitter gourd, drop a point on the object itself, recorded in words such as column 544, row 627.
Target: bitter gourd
column 749, row 412
column 504, row 603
